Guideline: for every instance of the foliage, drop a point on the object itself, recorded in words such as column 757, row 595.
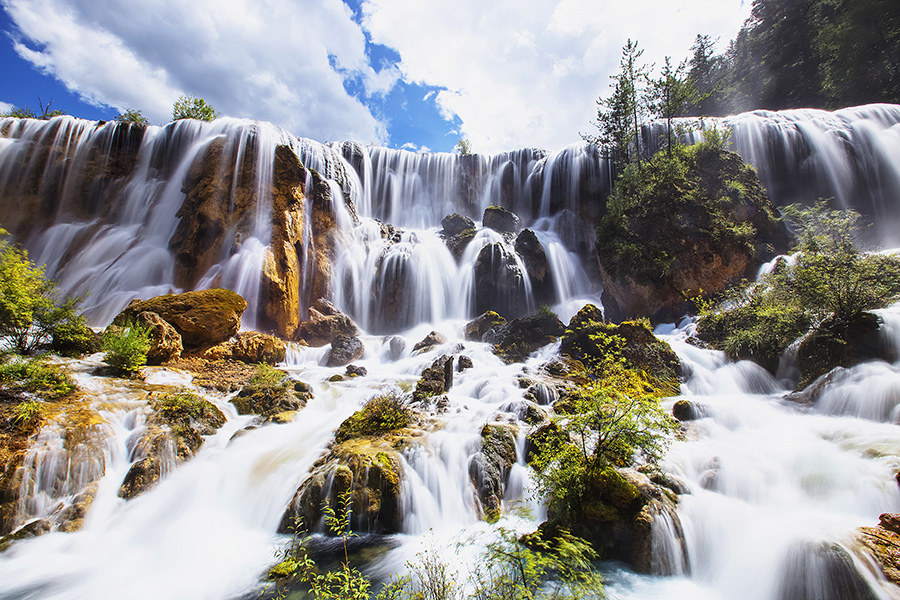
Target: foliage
column 532, row 568
column 190, row 107
column 705, row 74
column 676, row 199
column 44, row 113
column 134, row 117
column 126, row 347
column 619, row 115
column 830, row 278
column 385, row 412
column 463, row 147
column 267, row 377
column 609, row 421
column 180, row 405
column 37, row 376
column 27, row 415
column 30, row 311
column 669, row 94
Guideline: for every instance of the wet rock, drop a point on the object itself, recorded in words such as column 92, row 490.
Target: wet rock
column 437, row 379
column 71, row 518
column 532, row 253
column 500, row 283
column 685, row 410
column 501, row 220
column 458, row 243
column 165, row 341
column 29, row 530
column 396, row 347
column 272, row 400
column 838, row 344
column 517, row 339
column 430, row 341
column 355, row 371
column 173, row 435
column 478, row 327
column 836, row 575
column 323, row 324
column 455, row 224
column 463, row 363
column 203, row 318
column 811, row 393
column 883, row 544
column 489, row 470
column 344, row 350
column 250, row 347
column 370, row 472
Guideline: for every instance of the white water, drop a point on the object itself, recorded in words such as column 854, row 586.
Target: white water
column 767, row 479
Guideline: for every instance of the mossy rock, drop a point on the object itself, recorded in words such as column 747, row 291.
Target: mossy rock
column 381, row 414
column 517, row 339
column 490, row 469
column 478, row 327
column 436, row 379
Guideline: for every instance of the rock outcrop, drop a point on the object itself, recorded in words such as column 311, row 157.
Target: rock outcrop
column 500, row 283
column 165, row 341
column 202, row 318
column 501, row 220
column 250, row 347
column 344, row 350
column 517, row 339
column 323, row 323
column 437, row 379
column 489, row 469
column 883, row 543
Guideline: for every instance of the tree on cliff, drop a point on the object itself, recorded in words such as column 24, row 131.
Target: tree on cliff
column 669, row 94
column 190, row 107
column 26, row 112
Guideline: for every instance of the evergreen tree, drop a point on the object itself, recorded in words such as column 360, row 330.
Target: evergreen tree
column 669, row 94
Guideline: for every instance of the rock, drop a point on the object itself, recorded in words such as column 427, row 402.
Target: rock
column 203, row 318
column 685, row 410
column 396, row 347
column 173, row 435
column 165, row 341
column 354, row 371
column 835, row 344
column 463, row 363
column 269, row 399
column 370, row 471
column 344, row 350
column 489, row 470
column 659, row 253
column 499, row 282
column 837, row 577
column 478, row 327
column 811, row 393
column 458, row 243
column 455, row 224
column 520, row 337
column 588, row 339
column 430, row 341
column 437, row 379
column 532, row 253
column 501, row 220
column 883, row 544
column 250, row 347
column 29, row 530
column 323, row 324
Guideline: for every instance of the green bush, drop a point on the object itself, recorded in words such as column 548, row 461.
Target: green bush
column 37, row 376
column 27, row 415
column 268, row 378
column 134, row 117
column 386, row 412
column 126, row 347
column 190, row 107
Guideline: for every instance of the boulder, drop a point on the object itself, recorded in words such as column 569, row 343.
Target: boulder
column 430, row 341
column 458, row 243
column 165, row 341
column 272, row 401
column 370, row 472
column 203, row 318
column 437, row 379
column 250, row 347
column 455, row 224
column 501, row 220
column 489, row 469
column 842, row 344
column 517, row 339
column 396, row 346
column 323, row 323
column 464, row 363
column 500, row 283
column 344, row 350
column 534, row 257
column 883, row 544
column 478, row 327
column 685, row 410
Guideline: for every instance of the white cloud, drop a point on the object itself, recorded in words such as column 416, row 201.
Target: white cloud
column 271, row 60
column 527, row 72
column 5, row 107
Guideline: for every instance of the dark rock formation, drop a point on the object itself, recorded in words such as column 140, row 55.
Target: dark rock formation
column 429, row 342
column 323, row 324
column 520, row 337
column 500, row 283
column 344, row 350
column 489, row 470
column 273, row 402
column 455, row 224
column 478, row 327
column 501, row 220
column 437, row 379
column 533, row 255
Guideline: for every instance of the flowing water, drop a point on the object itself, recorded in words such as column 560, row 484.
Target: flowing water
column 775, row 490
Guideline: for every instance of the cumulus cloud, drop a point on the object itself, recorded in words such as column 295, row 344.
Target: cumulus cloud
column 5, row 107
column 275, row 60
column 527, row 72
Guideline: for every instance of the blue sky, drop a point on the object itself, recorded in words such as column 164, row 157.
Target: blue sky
column 404, row 73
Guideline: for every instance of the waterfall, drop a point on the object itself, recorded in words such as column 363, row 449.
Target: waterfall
column 772, row 491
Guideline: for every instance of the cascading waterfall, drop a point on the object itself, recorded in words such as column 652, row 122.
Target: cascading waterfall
column 774, row 490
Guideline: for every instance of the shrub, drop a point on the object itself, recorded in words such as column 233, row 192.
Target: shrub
column 134, row 117
column 268, row 378
column 190, row 107
column 126, row 347
column 27, row 415
column 37, row 376
column 386, row 412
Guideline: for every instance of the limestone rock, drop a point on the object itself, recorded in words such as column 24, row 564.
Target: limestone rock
column 501, row 220
column 165, row 341
column 489, row 470
column 520, row 337
column 323, row 323
column 429, row 342
column 344, row 350
column 271, row 401
column 437, row 379
column 250, row 347
column 499, row 282
column 203, row 318
column 478, row 327
column 455, row 224
column 533, row 255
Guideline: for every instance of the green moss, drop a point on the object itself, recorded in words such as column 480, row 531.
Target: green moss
column 37, row 376
column 383, row 413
